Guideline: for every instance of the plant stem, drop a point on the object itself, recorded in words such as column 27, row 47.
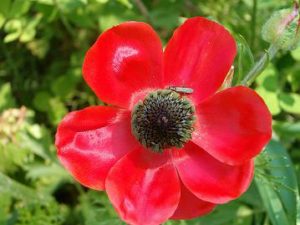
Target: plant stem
column 260, row 65
column 63, row 19
column 141, row 6
column 253, row 23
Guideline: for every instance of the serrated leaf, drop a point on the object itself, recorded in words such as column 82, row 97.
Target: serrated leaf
column 35, row 146
column 41, row 171
column 12, row 188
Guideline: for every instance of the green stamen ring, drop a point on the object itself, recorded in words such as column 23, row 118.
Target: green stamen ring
column 163, row 120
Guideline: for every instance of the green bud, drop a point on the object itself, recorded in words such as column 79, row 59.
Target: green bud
column 282, row 29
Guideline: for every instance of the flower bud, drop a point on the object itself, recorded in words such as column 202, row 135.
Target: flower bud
column 282, row 29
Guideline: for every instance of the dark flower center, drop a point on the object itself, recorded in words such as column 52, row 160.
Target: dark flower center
column 163, row 120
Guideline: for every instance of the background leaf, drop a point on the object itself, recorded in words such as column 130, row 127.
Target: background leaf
column 42, row 47
column 278, row 186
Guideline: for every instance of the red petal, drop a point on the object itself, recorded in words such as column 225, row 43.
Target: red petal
column 144, row 187
column 190, row 206
column 90, row 141
column 124, row 59
column 208, row 178
column 233, row 126
column 198, row 56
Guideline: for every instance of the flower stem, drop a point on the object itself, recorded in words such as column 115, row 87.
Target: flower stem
column 260, row 65
column 253, row 23
column 141, row 6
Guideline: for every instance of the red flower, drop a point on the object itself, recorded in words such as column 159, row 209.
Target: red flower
column 159, row 153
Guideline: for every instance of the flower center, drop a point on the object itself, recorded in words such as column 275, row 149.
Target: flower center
column 163, row 120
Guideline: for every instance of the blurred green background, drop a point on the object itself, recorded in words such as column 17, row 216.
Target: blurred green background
column 42, row 46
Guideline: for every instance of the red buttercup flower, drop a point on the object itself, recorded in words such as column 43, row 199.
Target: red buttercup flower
column 169, row 145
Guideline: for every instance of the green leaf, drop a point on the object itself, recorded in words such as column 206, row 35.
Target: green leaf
column 65, row 85
column 108, row 21
column 12, row 188
column 93, row 214
column 233, row 213
column 245, row 59
column 268, row 79
column 41, row 101
column 4, row 7
column 35, row 146
column 102, row 1
column 294, row 79
column 27, row 35
column 163, row 17
column 19, row 7
column 29, row 30
column 296, row 54
column 5, row 202
column 39, row 47
column 50, row 171
column 273, row 204
column 298, row 210
column 56, row 111
column 67, row 6
column 46, row 2
column 267, row 88
column 14, row 30
column 2, row 20
column 41, row 213
column 278, row 186
column 125, row 3
column 287, row 129
column 282, row 166
column 6, row 98
column 290, row 102
column 271, row 99
column 11, row 37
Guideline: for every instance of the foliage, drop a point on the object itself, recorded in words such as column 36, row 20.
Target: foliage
column 42, row 46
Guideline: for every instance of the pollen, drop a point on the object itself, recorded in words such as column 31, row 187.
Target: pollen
column 164, row 119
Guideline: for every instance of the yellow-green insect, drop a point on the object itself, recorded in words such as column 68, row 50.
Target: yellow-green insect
column 181, row 90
